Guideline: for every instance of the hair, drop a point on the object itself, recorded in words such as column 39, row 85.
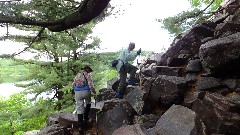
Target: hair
column 132, row 43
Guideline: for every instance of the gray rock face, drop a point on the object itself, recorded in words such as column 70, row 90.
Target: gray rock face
column 220, row 114
column 228, row 27
column 193, row 66
column 52, row 130
column 146, row 120
column 130, row 130
column 179, row 120
column 221, row 56
column 113, row 119
column 208, row 83
column 67, row 120
column 191, row 97
column 52, row 119
column 147, row 71
column 34, row 132
column 165, row 70
column 168, row 90
column 136, row 98
column 105, row 94
column 230, row 83
column 147, row 84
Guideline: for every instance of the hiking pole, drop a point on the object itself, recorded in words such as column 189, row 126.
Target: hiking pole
column 140, row 76
column 95, row 102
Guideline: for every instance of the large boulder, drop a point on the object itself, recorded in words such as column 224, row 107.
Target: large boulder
column 168, row 90
column 179, row 120
column 220, row 114
column 194, row 66
column 130, row 130
column 136, row 98
column 113, row 119
column 208, row 83
column 221, row 56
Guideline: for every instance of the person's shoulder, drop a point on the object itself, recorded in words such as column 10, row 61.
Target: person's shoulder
column 125, row 50
column 80, row 73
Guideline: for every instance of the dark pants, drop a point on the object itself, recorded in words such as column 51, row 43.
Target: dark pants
column 126, row 68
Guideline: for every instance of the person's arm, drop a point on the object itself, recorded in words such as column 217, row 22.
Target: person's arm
column 90, row 81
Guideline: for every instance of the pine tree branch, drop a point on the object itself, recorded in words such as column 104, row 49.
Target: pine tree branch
column 88, row 10
column 33, row 40
column 195, row 14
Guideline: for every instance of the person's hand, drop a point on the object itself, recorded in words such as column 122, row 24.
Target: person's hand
column 139, row 51
column 93, row 90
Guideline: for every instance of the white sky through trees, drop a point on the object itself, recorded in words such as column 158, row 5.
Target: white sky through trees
column 135, row 23
column 138, row 24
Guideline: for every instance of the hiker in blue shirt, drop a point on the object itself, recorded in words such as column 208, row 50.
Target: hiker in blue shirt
column 123, row 67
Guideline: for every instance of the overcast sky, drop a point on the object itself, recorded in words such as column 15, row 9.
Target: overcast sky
column 138, row 24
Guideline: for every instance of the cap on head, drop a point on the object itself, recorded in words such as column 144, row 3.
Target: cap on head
column 87, row 67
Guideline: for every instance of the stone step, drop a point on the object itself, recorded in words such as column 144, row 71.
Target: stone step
column 166, row 70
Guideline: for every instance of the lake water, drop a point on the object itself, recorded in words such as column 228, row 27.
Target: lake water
column 7, row 89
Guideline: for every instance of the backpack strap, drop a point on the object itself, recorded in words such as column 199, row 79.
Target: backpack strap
column 85, row 78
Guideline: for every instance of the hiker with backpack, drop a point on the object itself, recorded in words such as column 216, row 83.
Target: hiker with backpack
column 123, row 67
column 83, row 86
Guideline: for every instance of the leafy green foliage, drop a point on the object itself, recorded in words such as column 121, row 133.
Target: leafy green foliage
column 187, row 19
column 183, row 21
column 18, row 115
column 202, row 3
column 102, row 68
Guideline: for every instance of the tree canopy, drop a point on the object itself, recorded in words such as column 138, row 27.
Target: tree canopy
column 201, row 10
column 65, row 14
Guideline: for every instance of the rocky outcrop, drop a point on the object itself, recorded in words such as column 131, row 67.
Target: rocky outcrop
column 194, row 87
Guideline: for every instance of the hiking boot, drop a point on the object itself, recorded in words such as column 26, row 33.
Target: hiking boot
column 131, row 81
column 80, row 124
column 86, row 116
column 118, row 95
column 81, row 131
